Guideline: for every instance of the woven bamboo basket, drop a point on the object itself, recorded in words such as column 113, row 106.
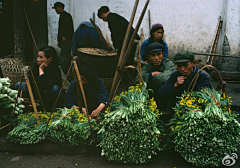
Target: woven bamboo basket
column 11, row 68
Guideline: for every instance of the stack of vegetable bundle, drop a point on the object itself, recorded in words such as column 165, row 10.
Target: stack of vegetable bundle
column 129, row 131
column 7, row 100
column 66, row 125
column 203, row 129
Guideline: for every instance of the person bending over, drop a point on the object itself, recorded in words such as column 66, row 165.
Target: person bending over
column 94, row 89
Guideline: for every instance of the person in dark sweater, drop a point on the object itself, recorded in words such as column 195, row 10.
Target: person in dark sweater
column 180, row 80
column 65, row 34
column 118, row 27
column 47, row 76
column 86, row 36
column 94, row 89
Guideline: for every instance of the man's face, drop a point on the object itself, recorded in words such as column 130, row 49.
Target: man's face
column 156, row 57
column 58, row 10
column 104, row 16
column 186, row 68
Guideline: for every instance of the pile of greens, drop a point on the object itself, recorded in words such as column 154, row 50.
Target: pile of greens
column 7, row 100
column 129, row 131
column 66, row 125
column 203, row 129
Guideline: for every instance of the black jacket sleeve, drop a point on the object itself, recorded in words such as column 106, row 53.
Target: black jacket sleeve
column 65, row 27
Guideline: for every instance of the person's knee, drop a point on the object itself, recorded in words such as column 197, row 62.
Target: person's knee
column 17, row 85
column 55, row 89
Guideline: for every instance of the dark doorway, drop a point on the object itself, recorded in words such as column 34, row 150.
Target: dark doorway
column 6, row 27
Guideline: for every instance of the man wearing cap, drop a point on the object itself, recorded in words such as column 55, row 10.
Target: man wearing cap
column 158, row 70
column 65, row 34
column 94, row 89
column 181, row 79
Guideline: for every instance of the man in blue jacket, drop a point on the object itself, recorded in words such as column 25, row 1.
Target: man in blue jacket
column 94, row 89
column 180, row 80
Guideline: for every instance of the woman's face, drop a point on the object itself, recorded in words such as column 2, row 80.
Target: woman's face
column 158, row 34
column 41, row 58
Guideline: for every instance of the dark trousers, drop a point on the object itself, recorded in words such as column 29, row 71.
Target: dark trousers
column 49, row 97
column 65, row 55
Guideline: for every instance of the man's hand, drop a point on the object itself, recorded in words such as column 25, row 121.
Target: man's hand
column 155, row 73
column 45, row 63
column 95, row 114
column 64, row 39
column 180, row 81
column 76, row 107
column 144, row 62
column 84, row 111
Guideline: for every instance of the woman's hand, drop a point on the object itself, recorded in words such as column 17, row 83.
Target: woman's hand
column 45, row 63
column 95, row 114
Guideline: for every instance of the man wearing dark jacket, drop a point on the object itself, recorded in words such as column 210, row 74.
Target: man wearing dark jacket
column 118, row 27
column 65, row 34
column 180, row 80
column 94, row 89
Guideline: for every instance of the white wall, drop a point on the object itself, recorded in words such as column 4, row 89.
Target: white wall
column 189, row 24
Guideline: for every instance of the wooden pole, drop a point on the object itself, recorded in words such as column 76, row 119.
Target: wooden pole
column 94, row 17
column 78, row 79
column 126, row 54
column 101, row 36
column 116, row 77
column 32, row 97
column 149, row 19
column 36, row 87
column 139, row 59
column 142, row 36
column 30, row 30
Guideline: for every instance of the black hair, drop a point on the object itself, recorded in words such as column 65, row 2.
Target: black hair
column 88, row 72
column 103, row 9
column 49, row 51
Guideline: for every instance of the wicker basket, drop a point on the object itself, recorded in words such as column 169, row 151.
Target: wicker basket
column 11, row 68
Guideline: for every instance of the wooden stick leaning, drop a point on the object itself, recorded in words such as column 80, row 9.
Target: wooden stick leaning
column 31, row 97
column 82, row 90
column 116, row 77
column 126, row 54
column 30, row 30
column 36, row 87
column 101, row 36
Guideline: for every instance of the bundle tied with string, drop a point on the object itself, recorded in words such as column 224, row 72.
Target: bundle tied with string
column 11, row 68
column 129, row 131
column 203, row 129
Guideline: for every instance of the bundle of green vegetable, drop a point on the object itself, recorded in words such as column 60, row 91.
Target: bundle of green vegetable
column 203, row 129
column 129, row 131
column 7, row 100
column 66, row 125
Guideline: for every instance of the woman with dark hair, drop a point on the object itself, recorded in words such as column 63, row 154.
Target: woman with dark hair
column 48, row 77
column 156, row 35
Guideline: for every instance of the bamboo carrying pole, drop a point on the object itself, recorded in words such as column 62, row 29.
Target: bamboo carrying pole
column 139, row 59
column 216, row 55
column 32, row 97
column 118, row 75
column 149, row 19
column 101, row 36
column 30, row 30
column 78, row 76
